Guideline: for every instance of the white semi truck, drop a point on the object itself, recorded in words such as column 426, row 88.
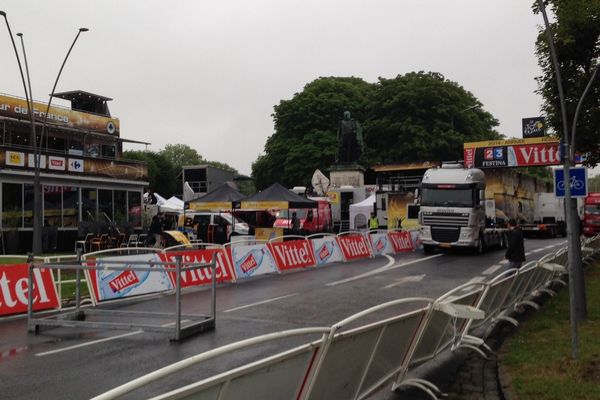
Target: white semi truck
column 453, row 210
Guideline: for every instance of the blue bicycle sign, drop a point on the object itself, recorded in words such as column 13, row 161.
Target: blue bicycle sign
column 577, row 179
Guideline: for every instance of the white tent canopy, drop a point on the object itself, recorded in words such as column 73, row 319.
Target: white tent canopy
column 173, row 204
column 360, row 214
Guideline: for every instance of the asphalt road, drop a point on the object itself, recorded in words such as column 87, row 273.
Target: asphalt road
column 73, row 363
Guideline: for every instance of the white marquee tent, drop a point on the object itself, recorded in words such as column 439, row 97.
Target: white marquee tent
column 360, row 214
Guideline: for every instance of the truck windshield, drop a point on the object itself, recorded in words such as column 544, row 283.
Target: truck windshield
column 447, row 197
column 286, row 214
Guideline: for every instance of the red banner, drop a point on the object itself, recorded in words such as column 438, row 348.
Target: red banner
column 293, row 254
column 401, row 241
column 14, row 291
column 197, row 277
column 354, row 247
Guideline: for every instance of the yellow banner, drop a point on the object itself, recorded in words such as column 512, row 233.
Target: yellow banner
column 14, row 107
column 210, row 206
column 511, row 142
column 334, row 197
column 264, row 205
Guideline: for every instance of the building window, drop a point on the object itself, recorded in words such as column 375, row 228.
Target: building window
column 70, row 206
column 12, row 205
column 105, row 205
column 88, row 204
column 52, row 205
column 56, row 144
column 75, row 147
column 120, row 207
column 19, row 139
column 134, row 202
column 28, row 206
column 108, row 151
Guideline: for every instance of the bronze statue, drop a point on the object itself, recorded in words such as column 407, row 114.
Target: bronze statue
column 350, row 141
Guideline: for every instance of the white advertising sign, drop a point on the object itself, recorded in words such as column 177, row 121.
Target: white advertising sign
column 75, row 165
column 112, row 284
column 380, row 244
column 56, row 163
column 252, row 260
column 327, row 250
column 15, row 159
column 31, row 161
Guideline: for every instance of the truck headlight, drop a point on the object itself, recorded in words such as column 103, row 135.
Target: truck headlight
column 425, row 233
column 465, row 234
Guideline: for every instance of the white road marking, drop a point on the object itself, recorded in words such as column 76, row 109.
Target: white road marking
column 492, row 269
column 550, row 246
column 477, row 279
column 260, row 302
column 537, row 250
column 528, row 253
column 382, row 269
column 503, row 262
column 413, row 278
column 77, row 346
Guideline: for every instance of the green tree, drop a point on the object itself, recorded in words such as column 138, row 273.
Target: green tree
column 161, row 172
column 305, row 135
column 576, row 32
column 421, row 116
column 181, row 155
column 417, row 116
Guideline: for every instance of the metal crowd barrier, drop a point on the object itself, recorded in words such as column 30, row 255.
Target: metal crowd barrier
column 77, row 316
column 355, row 363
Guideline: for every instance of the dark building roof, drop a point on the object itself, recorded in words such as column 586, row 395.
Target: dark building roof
column 86, row 101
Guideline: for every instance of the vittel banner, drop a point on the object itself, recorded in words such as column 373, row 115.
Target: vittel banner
column 326, row 250
column 200, row 276
column 107, row 284
column 512, row 153
column 292, row 254
column 381, row 244
column 14, row 291
column 354, row 247
column 252, row 260
column 401, row 241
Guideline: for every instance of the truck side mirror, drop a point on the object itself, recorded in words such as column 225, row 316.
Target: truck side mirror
column 416, row 200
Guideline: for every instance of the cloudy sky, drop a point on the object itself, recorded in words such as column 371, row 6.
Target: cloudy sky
column 208, row 73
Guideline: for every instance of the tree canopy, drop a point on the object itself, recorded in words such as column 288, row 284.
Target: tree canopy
column 576, row 32
column 414, row 117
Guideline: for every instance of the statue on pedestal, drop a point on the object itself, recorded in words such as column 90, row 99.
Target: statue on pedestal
column 350, row 140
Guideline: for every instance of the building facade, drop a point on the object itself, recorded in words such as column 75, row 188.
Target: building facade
column 87, row 186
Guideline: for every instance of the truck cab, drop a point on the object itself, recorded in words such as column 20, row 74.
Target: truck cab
column 452, row 210
column 591, row 214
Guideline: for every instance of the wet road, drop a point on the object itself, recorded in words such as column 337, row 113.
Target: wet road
column 72, row 363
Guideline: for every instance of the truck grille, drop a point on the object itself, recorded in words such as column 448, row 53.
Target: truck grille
column 441, row 219
column 444, row 234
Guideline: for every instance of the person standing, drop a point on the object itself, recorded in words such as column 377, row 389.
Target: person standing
column 373, row 222
column 295, row 224
column 155, row 230
column 515, row 253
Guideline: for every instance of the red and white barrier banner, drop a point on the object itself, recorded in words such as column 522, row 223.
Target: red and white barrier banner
column 417, row 245
column 14, row 291
column 107, row 284
column 354, row 247
column 251, row 260
column 381, row 244
column 198, row 277
column 401, row 241
column 292, row 254
column 326, row 250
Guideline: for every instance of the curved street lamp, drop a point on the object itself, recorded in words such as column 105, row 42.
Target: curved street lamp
column 37, row 147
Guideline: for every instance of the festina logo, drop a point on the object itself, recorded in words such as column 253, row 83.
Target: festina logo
column 293, row 255
column 123, row 281
column 249, row 263
column 401, row 242
column 356, row 247
column 324, row 252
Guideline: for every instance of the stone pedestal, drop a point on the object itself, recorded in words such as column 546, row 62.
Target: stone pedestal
column 346, row 175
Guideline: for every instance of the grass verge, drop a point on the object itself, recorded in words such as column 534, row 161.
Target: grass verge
column 538, row 358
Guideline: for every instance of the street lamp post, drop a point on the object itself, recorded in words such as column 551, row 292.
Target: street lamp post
column 576, row 306
column 37, row 147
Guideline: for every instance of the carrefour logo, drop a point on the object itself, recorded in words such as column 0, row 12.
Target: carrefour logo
column 75, row 165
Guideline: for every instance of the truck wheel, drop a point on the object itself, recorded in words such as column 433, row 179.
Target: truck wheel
column 428, row 249
column 480, row 245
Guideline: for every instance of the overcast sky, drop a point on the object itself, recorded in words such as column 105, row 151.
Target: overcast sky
column 208, row 73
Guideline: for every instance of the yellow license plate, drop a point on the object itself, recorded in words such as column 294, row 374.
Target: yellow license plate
column 445, row 245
